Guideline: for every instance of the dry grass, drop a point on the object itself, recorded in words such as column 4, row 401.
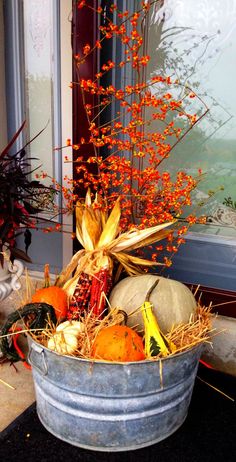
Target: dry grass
column 197, row 330
column 86, row 338
column 184, row 336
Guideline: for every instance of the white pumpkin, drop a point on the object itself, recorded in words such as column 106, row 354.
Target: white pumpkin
column 72, row 327
column 63, row 343
column 65, row 339
column 173, row 302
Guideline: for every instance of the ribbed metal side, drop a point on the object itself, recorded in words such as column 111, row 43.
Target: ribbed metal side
column 112, row 406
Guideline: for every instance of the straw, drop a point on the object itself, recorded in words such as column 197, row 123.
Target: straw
column 7, row 384
column 185, row 336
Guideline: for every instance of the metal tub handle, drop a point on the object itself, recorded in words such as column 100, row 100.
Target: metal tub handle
column 37, row 359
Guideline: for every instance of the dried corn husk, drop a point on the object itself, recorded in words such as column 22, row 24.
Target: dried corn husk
column 133, row 239
column 98, row 233
column 111, row 227
column 78, row 216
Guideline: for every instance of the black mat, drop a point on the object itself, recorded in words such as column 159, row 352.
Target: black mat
column 208, row 434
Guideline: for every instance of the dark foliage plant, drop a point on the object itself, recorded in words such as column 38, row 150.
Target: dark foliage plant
column 22, row 199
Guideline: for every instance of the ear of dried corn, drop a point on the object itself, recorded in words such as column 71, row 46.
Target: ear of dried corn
column 98, row 232
column 101, row 285
column 80, row 299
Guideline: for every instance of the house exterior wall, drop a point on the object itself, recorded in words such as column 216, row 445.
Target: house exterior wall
column 3, row 123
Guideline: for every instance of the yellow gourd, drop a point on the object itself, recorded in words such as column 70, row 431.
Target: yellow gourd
column 155, row 341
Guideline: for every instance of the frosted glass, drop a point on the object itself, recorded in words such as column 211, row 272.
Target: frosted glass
column 38, row 79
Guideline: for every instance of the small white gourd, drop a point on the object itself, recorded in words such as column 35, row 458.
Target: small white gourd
column 173, row 302
column 65, row 338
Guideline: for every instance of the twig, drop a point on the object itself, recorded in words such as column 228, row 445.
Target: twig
column 216, row 389
column 7, row 384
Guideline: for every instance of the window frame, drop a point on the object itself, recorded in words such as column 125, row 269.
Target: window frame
column 58, row 246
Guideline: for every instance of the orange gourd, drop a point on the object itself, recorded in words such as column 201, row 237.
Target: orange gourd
column 54, row 296
column 118, row 343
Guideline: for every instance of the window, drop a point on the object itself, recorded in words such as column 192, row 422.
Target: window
column 38, row 75
column 195, row 43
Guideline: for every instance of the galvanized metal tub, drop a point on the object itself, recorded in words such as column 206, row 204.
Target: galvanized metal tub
column 112, row 406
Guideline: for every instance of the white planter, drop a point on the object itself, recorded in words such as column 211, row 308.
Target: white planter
column 9, row 277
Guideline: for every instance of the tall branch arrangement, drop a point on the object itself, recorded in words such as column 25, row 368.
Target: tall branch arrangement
column 131, row 201
column 147, row 124
column 131, row 130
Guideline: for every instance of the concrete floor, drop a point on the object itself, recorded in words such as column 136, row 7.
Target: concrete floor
column 16, row 392
column 16, row 383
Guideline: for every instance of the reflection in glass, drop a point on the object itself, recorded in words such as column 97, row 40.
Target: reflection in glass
column 195, row 42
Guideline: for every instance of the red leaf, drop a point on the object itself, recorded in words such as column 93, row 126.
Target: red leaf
column 7, row 148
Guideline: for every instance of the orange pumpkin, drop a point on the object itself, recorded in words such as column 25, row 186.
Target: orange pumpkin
column 54, row 296
column 118, row 343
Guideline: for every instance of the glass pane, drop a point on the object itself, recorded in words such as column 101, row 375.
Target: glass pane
column 195, row 42
column 38, row 79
